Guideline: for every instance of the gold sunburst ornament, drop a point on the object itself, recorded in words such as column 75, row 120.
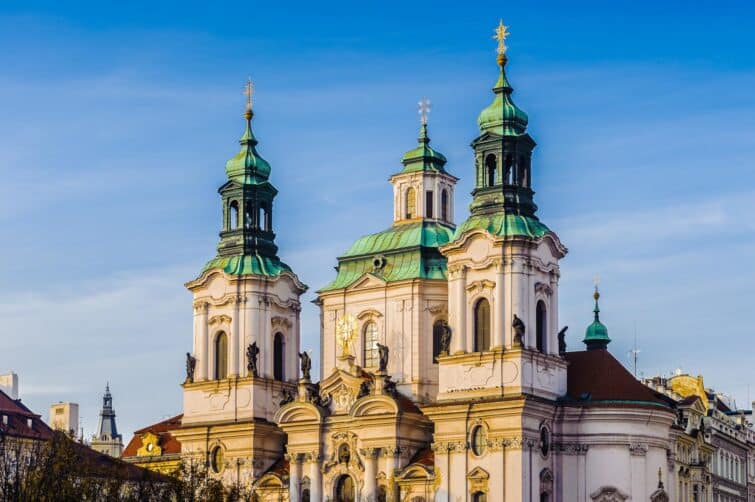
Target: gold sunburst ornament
column 501, row 32
column 346, row 333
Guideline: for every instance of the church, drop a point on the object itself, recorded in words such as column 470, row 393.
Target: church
column 445, row 374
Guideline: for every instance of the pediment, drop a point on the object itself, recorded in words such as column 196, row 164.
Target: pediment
column 479, row 474
column 297, row 411
column 374, row 405
column 368, row 280
column 341, row 389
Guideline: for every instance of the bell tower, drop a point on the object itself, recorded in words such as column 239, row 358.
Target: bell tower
column 246, row 328
column 503, row 266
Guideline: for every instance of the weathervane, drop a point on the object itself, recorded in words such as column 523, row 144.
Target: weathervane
column 248, row 92
column 424, row 110
column 501, row 32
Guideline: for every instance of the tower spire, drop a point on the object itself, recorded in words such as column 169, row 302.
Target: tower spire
column 596, row 335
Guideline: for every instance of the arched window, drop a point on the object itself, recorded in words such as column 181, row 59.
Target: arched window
column 438, row 328
column 410, row 204
column 522, row 169
column 345, row 491
column 263, row 217
column 444, row 205
column 479, row 497
column 482, row 325
column 221, row 356
column 429, row 204
column 382, row 494
column 233, row 221
column 509, row 177
column 278, row 357
column 541, row 327
column 370, row 354
column 490, row 169
column 248, row 215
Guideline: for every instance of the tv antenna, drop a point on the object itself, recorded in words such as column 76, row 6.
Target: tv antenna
column 635, row 351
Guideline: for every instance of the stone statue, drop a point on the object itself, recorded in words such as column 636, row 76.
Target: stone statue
column 519, row 329
column 383, row 357
column 562, row 341
column 252, row 351
column 306, row 365
column 286, row 396
column 364, row 389
column 191, row 364
column 445, row 339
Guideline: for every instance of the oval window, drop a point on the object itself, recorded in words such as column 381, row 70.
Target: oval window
column 216, row 459
column 479, row 440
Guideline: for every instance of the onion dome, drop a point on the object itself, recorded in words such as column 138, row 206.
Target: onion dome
column 247, row 166
column 424, row 157
column 502, row 116
column 596, row 335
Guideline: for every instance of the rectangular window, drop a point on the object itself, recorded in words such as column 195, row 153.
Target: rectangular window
column 429, row 204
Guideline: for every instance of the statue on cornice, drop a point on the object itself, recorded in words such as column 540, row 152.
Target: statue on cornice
column 306, row 365
column 519, row 330
column 383, row 352
column 286, row 397
column 191, row 364
column 252, row 351
column 445, row 339
column 562, row 341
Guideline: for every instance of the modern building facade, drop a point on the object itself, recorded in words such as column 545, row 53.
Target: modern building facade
column 65, row 417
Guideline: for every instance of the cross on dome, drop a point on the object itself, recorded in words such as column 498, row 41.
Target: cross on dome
column 501, row 32
column 424, row 110
column 249, row 92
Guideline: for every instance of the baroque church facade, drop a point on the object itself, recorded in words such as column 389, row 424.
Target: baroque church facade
column 444, row 370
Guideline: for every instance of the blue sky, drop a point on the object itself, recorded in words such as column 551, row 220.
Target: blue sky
column 117, row 120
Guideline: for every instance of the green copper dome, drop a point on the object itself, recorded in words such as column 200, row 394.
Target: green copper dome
column 596, row 335
column 247, row 167
column 424, row 157
column 503, row 117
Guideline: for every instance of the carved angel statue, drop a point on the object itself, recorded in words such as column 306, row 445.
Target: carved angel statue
column 306, row 365
column 519, row 330
column 562, row 341
column 191, row 364
column 383, row 352
column 252, row 351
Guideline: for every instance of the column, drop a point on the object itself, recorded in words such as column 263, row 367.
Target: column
column 508, row 305
column 498, row 324
column 370, row 473
column 293, row 348
column 235, row 335
column 266, row 336
column 391, row 454
column 294, row 489
column 455, row 309
column 553, row 326
column 203, row 351
column 315, row 478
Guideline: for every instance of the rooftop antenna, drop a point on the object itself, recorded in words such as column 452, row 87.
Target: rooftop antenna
column 635, row 350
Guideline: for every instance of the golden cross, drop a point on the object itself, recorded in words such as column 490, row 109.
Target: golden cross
column 500, row 34
column 424, row 110
column 248, row 92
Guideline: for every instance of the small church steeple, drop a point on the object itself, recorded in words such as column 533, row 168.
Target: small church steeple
column 503, row 151
column 107, row 440
column 596, row 335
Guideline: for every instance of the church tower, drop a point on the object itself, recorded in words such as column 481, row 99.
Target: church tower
column 246, row 329
column 392, row 284
column 107, row 440
column 502, row 372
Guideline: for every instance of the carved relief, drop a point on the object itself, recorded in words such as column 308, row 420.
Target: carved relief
column 541, row 287
column 278, row 321
column 638, row 449
column 219, row 319
column 478, row 480
column 479, row 286
column 343, row 399
column 608, row 494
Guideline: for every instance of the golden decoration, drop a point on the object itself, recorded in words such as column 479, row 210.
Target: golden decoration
column 248, row 92
column 346, row 333
column 501, row 32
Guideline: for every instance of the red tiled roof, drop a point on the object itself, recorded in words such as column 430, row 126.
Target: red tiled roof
column 17, row 417
column 167, row 442
column 595, row 377
column 424, row 457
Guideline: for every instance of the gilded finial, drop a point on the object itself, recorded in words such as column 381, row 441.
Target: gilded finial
column 424, row 110
column 501, row 32
column 596, row 281
column 248, row 92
